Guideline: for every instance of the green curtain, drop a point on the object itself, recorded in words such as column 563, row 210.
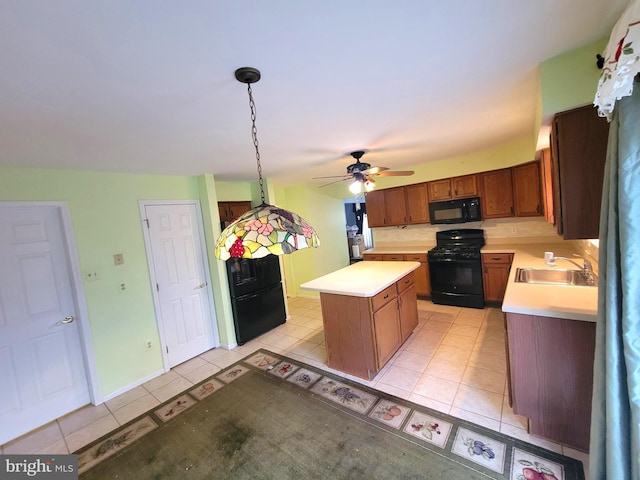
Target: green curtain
column 615, row 418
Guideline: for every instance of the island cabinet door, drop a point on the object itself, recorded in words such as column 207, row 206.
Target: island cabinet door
column 407, row 302
column 388, row 337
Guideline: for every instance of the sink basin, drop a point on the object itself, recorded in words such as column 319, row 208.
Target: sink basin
column 556, row 276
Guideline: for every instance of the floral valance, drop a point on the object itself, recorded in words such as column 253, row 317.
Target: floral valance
column 621, row 61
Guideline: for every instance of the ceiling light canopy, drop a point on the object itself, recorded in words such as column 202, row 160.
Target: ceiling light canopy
column 266, row 229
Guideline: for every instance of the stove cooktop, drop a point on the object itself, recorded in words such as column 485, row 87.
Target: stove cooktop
column 453, row 252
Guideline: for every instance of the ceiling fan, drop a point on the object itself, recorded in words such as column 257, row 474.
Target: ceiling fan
column 362, row 174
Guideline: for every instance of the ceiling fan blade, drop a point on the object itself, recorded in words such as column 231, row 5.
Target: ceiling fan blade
column 375, row 170
column 395, row 173
column 343, row 177
column 331, row 183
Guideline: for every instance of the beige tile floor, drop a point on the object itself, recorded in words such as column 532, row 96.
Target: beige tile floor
column 454, row 362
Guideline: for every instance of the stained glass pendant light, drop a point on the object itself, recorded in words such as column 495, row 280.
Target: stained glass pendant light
column 266, row 229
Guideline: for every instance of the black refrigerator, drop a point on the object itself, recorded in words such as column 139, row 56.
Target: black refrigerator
column 257, row 298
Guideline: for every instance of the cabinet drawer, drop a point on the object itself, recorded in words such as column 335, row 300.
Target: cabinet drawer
column 405, row 282
column 372, row 256
column 417, row 257
column 383, row 297
column 497, row 258
column 394, row 256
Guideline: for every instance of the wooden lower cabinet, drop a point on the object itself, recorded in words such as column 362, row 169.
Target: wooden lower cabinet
column 495, row 275
column 363, row 333
column 388, row 336
column 550, row 368
column 421, row 275
column 407, row 306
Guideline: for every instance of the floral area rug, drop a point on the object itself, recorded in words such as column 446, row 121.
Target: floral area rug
column 268, row 416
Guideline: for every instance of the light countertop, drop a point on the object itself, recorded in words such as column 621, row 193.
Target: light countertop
column 362, row 279
column 569, row 302
column 409, row 249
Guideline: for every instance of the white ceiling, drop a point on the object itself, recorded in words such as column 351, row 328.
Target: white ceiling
column 148, row 85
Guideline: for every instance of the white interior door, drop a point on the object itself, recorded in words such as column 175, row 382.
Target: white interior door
column 42, row 369
column 178, row 265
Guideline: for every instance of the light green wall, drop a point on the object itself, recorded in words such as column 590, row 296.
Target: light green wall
column 106, row 220
column 570, row 79
column 326, row 215
column 237, row 192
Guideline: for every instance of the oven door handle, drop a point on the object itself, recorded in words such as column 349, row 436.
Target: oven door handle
column 456, row 260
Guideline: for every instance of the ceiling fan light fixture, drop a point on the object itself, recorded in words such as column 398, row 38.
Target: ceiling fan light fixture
column 369, row 185
column 265, row 229
column 356, row 187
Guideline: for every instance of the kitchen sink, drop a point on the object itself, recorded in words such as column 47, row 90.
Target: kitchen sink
column 556, row 276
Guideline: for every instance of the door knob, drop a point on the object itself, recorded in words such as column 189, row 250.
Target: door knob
column 202, row 285
column 67, row 319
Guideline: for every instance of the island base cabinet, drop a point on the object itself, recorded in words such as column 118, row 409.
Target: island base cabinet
column 551, row 376
column 348, row 334
column 363, row 333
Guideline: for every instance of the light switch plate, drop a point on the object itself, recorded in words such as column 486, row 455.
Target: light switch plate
column 118, row 259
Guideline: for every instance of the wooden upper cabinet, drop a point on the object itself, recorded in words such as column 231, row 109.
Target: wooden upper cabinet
column 527, row 190
column 578, row 149
column 375, row 208
column 398, row 206
column 229, row 211
column 439, row 190
column 455, row 187
column 546, row 177
column 504, row 193
column 465, row 186
column 395, row 207
column 497, row 194
column 417, row 203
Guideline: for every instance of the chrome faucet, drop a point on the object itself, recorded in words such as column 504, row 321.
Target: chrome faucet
column 586, row 267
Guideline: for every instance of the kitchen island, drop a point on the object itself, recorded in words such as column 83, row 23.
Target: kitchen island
column 369, row 309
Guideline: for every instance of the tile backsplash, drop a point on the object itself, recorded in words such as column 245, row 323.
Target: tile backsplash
column 514, row 229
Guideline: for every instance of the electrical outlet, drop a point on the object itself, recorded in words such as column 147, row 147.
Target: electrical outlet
column 147, row 345
column 122, row 288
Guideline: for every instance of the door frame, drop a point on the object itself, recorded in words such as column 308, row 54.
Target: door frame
column 77, row 290
column 153, row 277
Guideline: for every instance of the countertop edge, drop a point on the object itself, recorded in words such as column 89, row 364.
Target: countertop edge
column 371, row 291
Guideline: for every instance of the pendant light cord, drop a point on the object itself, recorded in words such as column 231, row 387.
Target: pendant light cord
column 254, row 136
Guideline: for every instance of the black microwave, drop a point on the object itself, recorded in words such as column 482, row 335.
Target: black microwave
column 455, row 211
